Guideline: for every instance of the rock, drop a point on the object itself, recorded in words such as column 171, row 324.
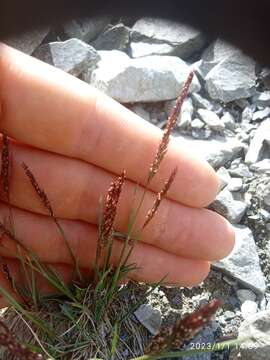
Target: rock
column 266, row 194
column 28, row 41
column 197, row 124
column 235, row 184
column 224, row 177
column 265, row 77
column 257, row 329
column 261, row 166
column 218, row 151
column 247, row 114
column 248, row 308
column 242, row 103
column 245, row 294
column 231, row 209
column 240, row 170
column 243, row 262
column 202, row 134
column 149, row 317
column 73, row 56
column 184, row 118
column 262, row 99
column 200, row 102
column 201, row 341
column 216, row 53
column 211, row 119
column 228, row 120
column 261, row 114
column 153, row 78
column 233, row 78
column 152, row 36
column 86, row 29
column 140, row 111
column 113, row 38
column 258, row 147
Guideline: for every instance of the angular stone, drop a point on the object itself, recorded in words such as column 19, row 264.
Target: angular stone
column 245, row 294
column 248, row 308
column 261, row 114
column 113, row 38
column 229, row 121
column 217, row 151
column 257, row 329
column 224, row 177
column 201, row 102
column 29, row 41
column 152, row 36
column 235, row 184
column 86, row 29
column 151, row 78
column 231, row 209
column 73, row 56
column 197, row 124
column 240, row 170
column 211, row 119
column 233, row 78
column 261, row 166
column 259, row 146
column 243, row 262
column 149, row 317
column 262, row 99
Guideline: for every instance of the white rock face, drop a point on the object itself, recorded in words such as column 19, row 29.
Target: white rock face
column 243, row 262
column 211, row 119
column 231, row 79
column 152, row 78
column 73, row 56
column 151, row 36
column 259, row 141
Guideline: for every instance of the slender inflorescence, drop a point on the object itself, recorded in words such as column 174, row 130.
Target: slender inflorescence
column 17, row 349
column 110, row 210
column 159, row 197
column 5, row 167
column 40, row 192
column 183, row 330
column 163, row 146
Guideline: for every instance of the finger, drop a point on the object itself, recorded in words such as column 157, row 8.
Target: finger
column 75, row 187
column 64, row 115
column 38, row 234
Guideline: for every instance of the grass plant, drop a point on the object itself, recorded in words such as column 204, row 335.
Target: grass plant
column 90, row 319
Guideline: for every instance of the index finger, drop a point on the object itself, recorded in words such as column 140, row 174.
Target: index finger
column 54, row 111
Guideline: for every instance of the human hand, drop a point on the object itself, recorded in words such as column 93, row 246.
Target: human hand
column 76, row 140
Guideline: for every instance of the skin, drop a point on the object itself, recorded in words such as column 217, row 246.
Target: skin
column 76, row 141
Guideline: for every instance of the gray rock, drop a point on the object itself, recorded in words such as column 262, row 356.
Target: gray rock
column 211, row 119
column 149, row 317
column 247, row 114
column 202, row 134
column 152, row 36
column 231, row 209
column 73, row 56
column 261, row 114
column 266, row 194
column 140, row 111
column 217, row 151
column 28, row 41
column 201, row 341
column 113, row 38
column 257, row 329
column 243, row 262
column 258, row 146
column 197, row 124
column 240, row 170
column 233, row 78
column 201, row 102
column 248, row 308
column 228, row 120
column 242, row 103
column 153, row 78
column 86, row 29
column 224, row 177
column 261, row 166
column 184, row 118
column 245, row 294
column 235, row 184
column 262, row 99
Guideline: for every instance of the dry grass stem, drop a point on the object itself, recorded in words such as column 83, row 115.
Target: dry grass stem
column 160, row 196
column 183, row 330
column 163, row 146
column 40, row 192
column 5, row 167
column 20, row 351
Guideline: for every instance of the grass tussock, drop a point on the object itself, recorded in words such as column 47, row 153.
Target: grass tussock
column 89, row 318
